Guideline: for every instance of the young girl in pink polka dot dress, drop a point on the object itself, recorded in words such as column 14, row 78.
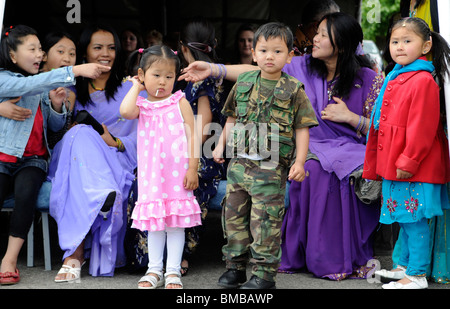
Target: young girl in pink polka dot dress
column 167, row 169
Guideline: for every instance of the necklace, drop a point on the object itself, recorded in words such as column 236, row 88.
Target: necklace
column 95, row 88
column 330, row 90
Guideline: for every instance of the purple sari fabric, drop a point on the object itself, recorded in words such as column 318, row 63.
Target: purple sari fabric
column 327, row 230
column 83, row 171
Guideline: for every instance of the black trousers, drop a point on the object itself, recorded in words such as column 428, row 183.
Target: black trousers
column 25, row 186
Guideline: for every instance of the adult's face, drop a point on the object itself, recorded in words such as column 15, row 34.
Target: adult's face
column 322, row 48
column 129, row 41
column 245, row 42
column 101, row 49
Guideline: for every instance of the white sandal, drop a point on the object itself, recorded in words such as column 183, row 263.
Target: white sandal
column 155, row 282
column 173, row 280
column 67, row 269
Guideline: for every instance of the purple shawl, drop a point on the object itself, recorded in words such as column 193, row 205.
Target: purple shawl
column 336, row 145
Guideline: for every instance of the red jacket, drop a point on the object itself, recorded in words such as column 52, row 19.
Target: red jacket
column 411, row 136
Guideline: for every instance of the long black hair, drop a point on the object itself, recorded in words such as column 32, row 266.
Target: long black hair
column 345, row 36
column 315, row 9
column 117, row 71
column 12, row 37
column 199, row 35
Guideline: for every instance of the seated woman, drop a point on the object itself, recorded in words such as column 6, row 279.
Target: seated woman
column 91, row 174
column 327, row 229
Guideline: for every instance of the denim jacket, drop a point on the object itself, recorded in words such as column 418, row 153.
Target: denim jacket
column 34, row 90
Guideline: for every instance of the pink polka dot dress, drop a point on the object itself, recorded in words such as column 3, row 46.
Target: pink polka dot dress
column 162, row 164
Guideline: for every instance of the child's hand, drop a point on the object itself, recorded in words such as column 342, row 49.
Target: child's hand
column 90, row 70
column 190, row 181
column 217, row 154
column 196, row 71
column 57, row 96
column 136, row 82
column 401, row 174
column 297, row 172
column 9, row 109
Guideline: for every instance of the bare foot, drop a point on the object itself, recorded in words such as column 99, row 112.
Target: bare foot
column 76, row 260
column 72, row 262
column 8, row 266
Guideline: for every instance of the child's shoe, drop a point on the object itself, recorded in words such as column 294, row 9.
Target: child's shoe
column 417, row 282
column 387, row 275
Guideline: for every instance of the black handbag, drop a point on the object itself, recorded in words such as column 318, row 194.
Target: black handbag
column 84, row 117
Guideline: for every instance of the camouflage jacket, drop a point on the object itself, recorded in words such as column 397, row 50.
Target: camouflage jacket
column 266, row 119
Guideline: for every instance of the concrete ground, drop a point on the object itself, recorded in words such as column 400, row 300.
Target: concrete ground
column 205, row 268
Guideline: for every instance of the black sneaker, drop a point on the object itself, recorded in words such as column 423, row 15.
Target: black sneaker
column 257, row 283
column 232, row 278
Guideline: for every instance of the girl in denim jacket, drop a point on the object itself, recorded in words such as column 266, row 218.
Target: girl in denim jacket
column 24, row 151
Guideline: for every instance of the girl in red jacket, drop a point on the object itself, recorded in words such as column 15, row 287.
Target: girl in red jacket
column 407, row 147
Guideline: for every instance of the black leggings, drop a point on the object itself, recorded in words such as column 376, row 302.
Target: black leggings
column 26, row 184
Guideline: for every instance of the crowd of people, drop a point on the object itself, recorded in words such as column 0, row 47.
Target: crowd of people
column 305, row 115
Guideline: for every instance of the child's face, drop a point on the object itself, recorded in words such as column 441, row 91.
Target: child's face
column 28, row 55
column 60, row 55
column 271, row 56
column 101, row 49
column 322, row 48
column 159, row 79
column 406, row 46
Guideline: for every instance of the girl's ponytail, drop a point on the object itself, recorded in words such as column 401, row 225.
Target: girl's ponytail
column 133, row 61
column 441, row 57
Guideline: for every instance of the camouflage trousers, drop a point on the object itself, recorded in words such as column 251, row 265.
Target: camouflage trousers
column 253, row 210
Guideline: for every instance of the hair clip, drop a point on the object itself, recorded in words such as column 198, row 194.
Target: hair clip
column 404, row 21
column 175, row 52
column 200, row 47
column 10, row 28
column 140, row 50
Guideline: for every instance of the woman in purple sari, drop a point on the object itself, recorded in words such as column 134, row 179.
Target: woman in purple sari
column 91, row 174
column 327, row 229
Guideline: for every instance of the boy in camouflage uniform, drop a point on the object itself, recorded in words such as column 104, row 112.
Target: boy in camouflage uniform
column 269, row 117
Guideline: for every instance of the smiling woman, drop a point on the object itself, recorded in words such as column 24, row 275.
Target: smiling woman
column 91, row 174
column 100, row 44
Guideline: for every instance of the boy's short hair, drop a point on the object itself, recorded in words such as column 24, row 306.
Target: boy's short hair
column 275, row 30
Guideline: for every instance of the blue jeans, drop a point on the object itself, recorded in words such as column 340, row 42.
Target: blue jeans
column 415, row 247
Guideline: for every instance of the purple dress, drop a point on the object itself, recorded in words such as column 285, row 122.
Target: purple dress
column 327, row 230
column 83, row 171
